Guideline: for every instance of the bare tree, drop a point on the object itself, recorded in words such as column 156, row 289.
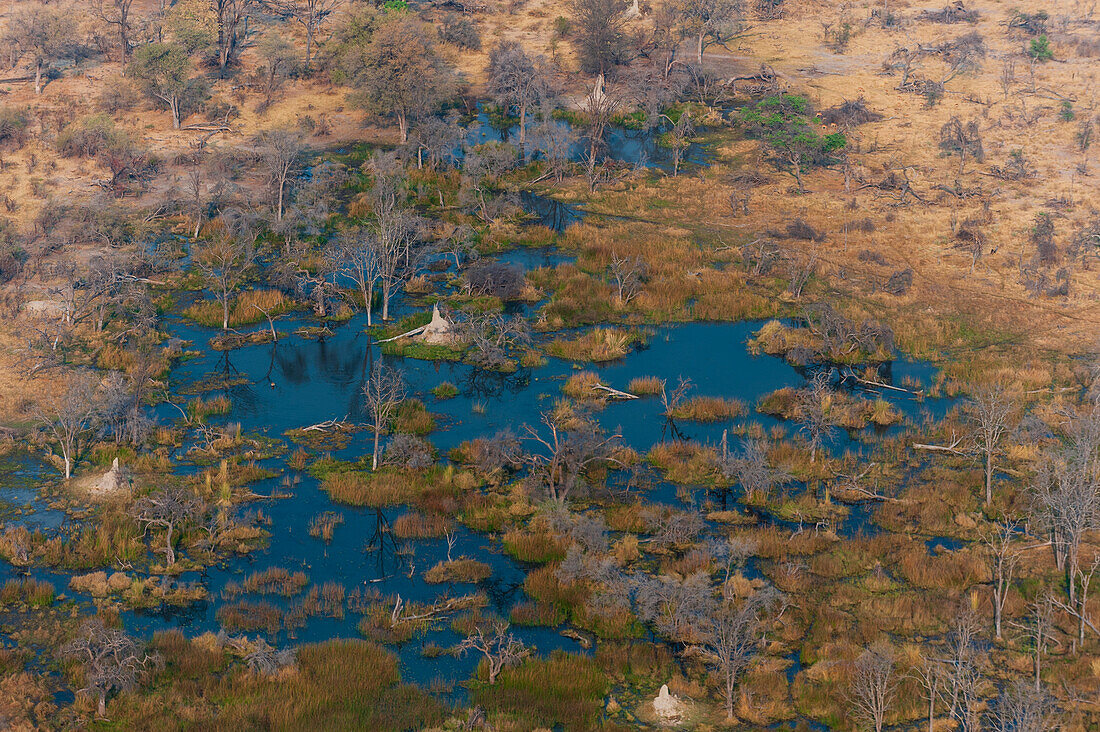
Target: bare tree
column 383, row 392
column 1067, row 497
column 1038, row 629
column 112, row 660
column 395, row 231
column 232, row 17
column 518, row 81
column 709, row 21
column 500, row 648
column 990, row 411
column 874, row 685
column 68, row 416
column 599, row 106
column 1022, row 708
column 225, row 261
column 628, row 274
column 671, row 400
column 555, row 143
column 355, row 255
column 963, row 140
column 678, row 139
column 814, row 404
column 963, row 677
column 116, row 14
column 1003, row 556
column 929, row 674
column 281, row 157
column 751, row 469
column 168, row 508
column 565, row 452
column 492, row 335
column 266, row 660
column 733, row 637
column 310, row 14
column 1080, row 610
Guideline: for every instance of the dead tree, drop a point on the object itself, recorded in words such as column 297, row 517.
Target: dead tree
column 224, row 261
column 929, row 674
column 383, row 392
column 310, row 14
column 814, row 403
column 500, row 648
column 1080, row 609
column 1069, row 505
column 280, row 155
column 961, row 139
column 874, row 685
column 355, row 255
column 565, row 452
column 68, row 416
column 963, row 676
column 1022, row 708
column 168, row 508
column 116, row 14
column 628, row 274
column 112, row 661
column 990, row 412
column 395, row 230
column 733, row 637
column 1003, row 557
column 750, row 468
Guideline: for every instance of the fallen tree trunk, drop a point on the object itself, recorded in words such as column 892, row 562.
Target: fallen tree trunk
column 413, row 332
column 615, row 393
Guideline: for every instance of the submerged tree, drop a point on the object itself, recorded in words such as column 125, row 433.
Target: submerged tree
column 814, row 404
column 354, row 254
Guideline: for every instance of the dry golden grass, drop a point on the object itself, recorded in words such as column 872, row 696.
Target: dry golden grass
column 646, row 385
column 598, row 344
column 709, row 409
column 581, row 386
column 247, row 308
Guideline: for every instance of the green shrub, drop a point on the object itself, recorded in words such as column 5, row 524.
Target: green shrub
column 1039, row 49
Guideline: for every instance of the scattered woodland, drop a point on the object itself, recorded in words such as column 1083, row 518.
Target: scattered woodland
column 867, row 183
